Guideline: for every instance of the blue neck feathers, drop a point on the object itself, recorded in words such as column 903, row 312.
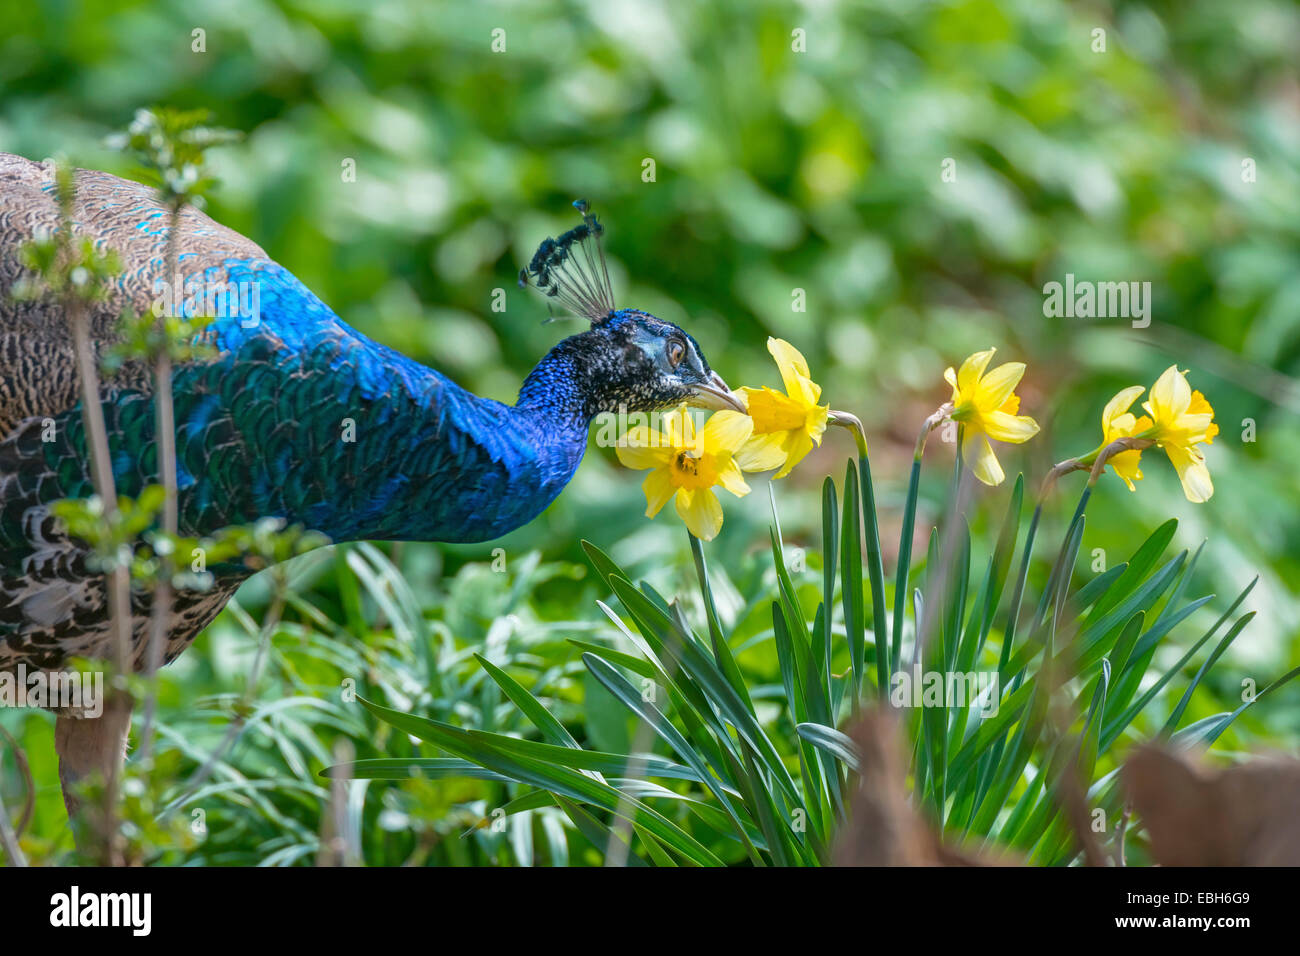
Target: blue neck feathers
column 428, row 459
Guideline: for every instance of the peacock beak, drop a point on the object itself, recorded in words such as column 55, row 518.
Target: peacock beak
column 715, row 396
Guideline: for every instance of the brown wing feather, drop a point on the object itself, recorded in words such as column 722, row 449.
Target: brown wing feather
column 37, row 374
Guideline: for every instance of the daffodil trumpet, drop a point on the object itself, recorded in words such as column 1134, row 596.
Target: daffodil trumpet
column 791, row 423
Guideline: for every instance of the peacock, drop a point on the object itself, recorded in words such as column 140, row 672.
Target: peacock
column 289, row 414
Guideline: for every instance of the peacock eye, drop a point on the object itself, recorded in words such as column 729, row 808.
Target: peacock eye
column 676, row 352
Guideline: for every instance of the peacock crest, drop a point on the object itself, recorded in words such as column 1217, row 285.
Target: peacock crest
column 572, row 270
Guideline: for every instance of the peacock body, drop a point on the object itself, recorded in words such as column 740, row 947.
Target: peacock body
column 298, row 416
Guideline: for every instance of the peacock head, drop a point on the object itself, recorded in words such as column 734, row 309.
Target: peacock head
column 629, row 360
column 638, row 362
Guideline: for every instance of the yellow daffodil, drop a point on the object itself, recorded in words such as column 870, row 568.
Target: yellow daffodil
column 1178, row 420
column 1118, row 422
column 986, row 406
column 1181, row 421
column 686, row 466
column 786, row 426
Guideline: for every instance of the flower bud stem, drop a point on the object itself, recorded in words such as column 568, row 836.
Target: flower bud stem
column 854, row 424
column 941, row 414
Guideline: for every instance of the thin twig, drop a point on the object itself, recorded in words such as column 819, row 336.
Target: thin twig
column 165, row 440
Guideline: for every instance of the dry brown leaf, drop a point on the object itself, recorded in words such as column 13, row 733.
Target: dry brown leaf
column 1243, row 816
column 883, row 828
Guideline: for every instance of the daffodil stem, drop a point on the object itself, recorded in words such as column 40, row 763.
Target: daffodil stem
column 875, row 563
column 702, row 572
column 854, row 424
column 901, row 596
column 1058, row 581
column 1018, row 594
column 721, row 652
column 876, row 575
column 1059, row 471
column 904, row 561
column 1049, row 484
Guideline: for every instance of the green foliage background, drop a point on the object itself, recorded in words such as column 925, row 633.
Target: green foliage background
column 775, row 171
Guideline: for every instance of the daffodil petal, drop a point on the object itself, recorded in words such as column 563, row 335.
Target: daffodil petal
column 968, row 375
column 1197, row 484
column 729, row 477
column 1118, row 406
column 1170, row 395
column 643, row 447
column 1182, row 420
column 979, row 457
column 775, row 412
column 1126, row 465
column 762, row 452
column 1121, row 426
column 658, row 487
column 790, row 362
column 1009, row 428
column 679, row 426
column 996, row 386
column 950, row 376
column 726, row 430
column 701, row 511
column 815, row 425
column 797, row 446
column 1192, row 472
column 809, row 392
column 1200, row 406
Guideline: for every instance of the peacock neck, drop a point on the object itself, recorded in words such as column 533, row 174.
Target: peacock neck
column 462, row 468
column 568, row 385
